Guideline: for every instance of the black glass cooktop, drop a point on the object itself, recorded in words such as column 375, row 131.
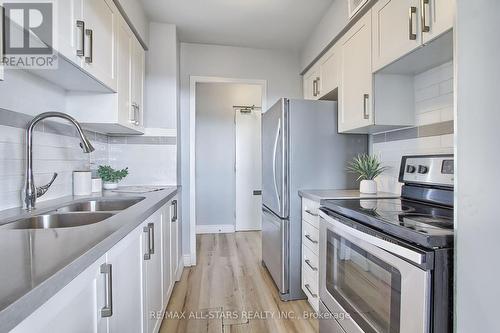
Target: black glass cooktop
column 426, row 225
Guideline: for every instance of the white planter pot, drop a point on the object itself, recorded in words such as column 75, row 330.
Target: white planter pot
column 368, row 187
column 110, row 186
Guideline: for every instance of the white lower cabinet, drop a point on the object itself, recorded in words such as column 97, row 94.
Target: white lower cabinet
column 310, row 260
column 175, row 253
column 76, row 308
column 152, row 268
column 126, row 290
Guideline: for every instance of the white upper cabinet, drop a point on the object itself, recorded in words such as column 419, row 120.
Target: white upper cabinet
column 310, row 84
column 137, row 87
column 124, row 37
column 71, row 30
column 401, row 26
column 100, row 17
column 396, row 30
column 437, row 18
column 356, row 87
column 329, row 71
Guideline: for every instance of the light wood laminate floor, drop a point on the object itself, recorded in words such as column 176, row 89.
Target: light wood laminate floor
column 230, row 291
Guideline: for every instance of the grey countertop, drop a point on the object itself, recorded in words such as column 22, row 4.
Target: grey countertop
column 36, row 264
column 318, row 195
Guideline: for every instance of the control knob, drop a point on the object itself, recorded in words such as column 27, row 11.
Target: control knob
column 410, row 169
column 423, row 169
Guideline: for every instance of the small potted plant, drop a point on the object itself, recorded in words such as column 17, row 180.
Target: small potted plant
column 110, row 176
column 367, row 167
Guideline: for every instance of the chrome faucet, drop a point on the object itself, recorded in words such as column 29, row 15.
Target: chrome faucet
column 32, row 192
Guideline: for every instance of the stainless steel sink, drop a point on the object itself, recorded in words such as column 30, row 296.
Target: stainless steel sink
column 57, row 221
column 99, row 205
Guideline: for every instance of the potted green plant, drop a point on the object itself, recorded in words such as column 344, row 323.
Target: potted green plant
column 367, row 167
column 110, row 176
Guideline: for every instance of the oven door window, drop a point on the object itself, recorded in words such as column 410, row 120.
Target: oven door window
column 365, row 286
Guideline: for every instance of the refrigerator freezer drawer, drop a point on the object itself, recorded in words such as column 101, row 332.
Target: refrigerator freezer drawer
column 275, row 248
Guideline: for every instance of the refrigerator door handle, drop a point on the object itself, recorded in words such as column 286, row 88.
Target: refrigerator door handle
column 275, row 149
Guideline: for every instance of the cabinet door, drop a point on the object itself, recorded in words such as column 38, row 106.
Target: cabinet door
column 166, row 271
column 71, row 30
column 329, row 71
column 355, row 98
column 396, row 30
column 126, row 259
column 100, row 18
column 174, row 240
column 124, row 38
column 310, row 84
column 76, row 308
column 153, row 300
column 437, row 18
column 138, row 68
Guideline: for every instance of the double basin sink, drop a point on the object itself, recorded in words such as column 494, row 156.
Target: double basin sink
column 74, row 215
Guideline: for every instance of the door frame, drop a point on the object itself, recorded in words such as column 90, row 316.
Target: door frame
column 193, row 80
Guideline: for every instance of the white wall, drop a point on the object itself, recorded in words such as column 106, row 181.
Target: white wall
column 333, row 21
column 279, row 68
column 161, row 86
column 477, row 225
column 433, row 104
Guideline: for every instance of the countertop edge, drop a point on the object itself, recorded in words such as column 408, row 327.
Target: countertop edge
column 342, row 194
column 24, row 306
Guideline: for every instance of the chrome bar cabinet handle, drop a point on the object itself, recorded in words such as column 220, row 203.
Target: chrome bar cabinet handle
column 147, row 230
column 308, row 287
column 308, row 262
column 411, row 34
column 151, row 226
column 90, row 34
column 366, row 98
column 81, row 25
column 311, row 239
column 425, row 27
column 174, row 218
column 311, row 213
column 107, row 310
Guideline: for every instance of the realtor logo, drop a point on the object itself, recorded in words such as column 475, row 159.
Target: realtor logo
column 29, row 35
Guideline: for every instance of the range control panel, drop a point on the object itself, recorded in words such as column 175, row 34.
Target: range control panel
column 428, row 170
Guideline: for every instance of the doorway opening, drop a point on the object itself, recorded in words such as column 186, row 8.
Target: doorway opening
column 225, row 191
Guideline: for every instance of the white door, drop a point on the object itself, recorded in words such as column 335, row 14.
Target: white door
column 100, row 18
column 437, row 15
column 126, row 115
column 174, row 239
column 355, row 96
column 248, row 170
column 71, row 30
column 153, row 300
column 76, row 308
column 393, row 35
column 125, row 260
column 166, row 252
column 329, row 71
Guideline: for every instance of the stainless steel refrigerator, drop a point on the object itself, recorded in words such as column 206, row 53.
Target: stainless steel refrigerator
column 301, row 149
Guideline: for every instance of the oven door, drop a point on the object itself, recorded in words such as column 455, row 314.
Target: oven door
column 364, row 280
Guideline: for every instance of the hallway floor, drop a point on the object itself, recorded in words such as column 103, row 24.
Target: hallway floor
column 230, row 291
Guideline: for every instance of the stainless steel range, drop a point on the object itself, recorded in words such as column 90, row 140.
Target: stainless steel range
column 386, row 265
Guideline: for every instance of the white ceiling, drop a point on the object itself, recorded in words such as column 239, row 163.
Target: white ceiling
column 275, row 24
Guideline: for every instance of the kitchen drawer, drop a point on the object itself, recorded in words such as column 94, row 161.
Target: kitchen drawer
column 310, row 286
column 311, row 258
column 310, row 212
column 310, row 237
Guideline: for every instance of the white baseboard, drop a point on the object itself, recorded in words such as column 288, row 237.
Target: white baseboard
column 215, row 229
column 180, row 269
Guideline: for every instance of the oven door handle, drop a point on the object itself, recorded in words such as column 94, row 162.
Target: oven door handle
column 415, row 257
